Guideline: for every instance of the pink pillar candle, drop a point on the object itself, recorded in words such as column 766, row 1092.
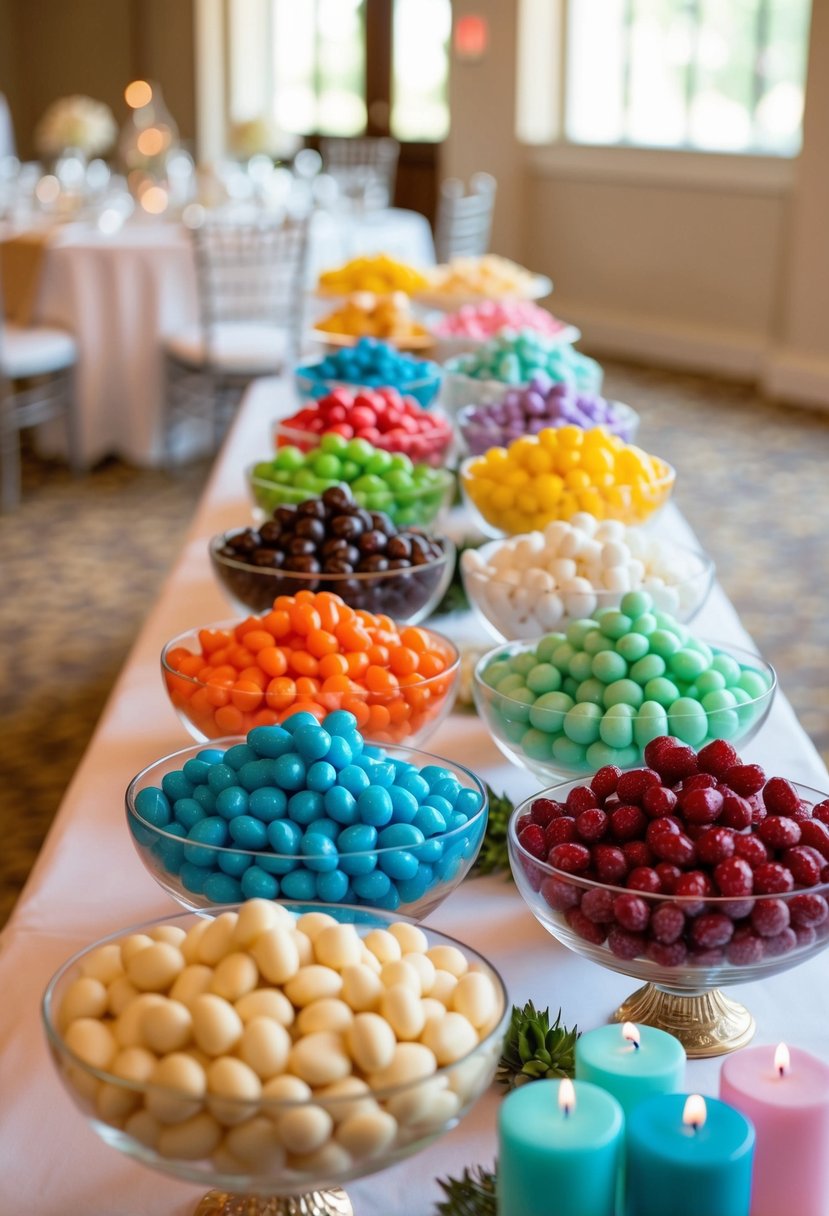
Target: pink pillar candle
column 788, row 1103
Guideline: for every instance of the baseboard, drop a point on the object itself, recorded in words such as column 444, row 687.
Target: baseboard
column 797, row 377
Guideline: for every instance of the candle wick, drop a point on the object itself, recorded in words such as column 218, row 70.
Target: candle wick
column 635, row 1045
column 781, row 1072
column 566, row 1112
column 696, row 1127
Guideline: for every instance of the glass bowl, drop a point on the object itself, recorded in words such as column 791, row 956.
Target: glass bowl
column 449, row 345
column 246, row 1147
column 312, row 384
column 412, row 875
column 460, row 390
column 539, row 738
column 210, row 707
column 430, row 446
column 681, row 981
column 408, row 595
column 419, row 505
column 628, row 504
column 479, row 438
column 513, row 611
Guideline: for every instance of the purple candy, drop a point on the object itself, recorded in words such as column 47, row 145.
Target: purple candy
column 534, row 425
column 535, row 405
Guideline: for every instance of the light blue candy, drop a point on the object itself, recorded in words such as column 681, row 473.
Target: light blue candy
column 299, row 884
column 340, row 722
column 175, row 785
column 340, row 753
column 233, row 862
column 321, row 776
column 404, row 804
column 354, row 779
column 288, row 771
column 374, row 806
column 189, row 812
column 205, row 797
column 299, row 720
column 240, row 755
column 341, row 805
column 232, row 801
column 257, row 774
column 372, row 886
column 220, row 777
column 256, row 883
column 203, row 838
column 248, row 832
column 196, row 771
column 399, row 835
column 284, row 836
column 312, row 743
column 169, row 851
column 319, row 851
column 332, row 887
column 305, row 806
column 430, row 821
column 469, row 802
column 411, row 890
column 270, row 742
column 268, row 804
column 153, row 805
column 193, row 877
column 415, row 784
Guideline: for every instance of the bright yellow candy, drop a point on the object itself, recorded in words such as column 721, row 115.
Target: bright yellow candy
column 571, row 436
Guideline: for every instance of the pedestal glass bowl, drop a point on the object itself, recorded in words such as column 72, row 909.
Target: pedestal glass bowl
column 540, row 737
column 681, row 992
column 405, row 877
column 239, row 1150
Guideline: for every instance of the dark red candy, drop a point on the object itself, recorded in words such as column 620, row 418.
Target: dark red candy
column 779, row 832
column 676, row 848
column 532, row 839
column 632, row 785
column 611, row 864
column 717, row 757
column 597, row 904
column 734, row 877
column 736, row 812
column 745, row 779
column 711, row 930
column 820, row 811
column 670, row 758
column 658, row 800
column 751, row 848
column 560, row 894
column 689, row 889
column 560, row 831
column 544, row 810
column 667, row 923
column 572, row 858
column 780, row 796
column 715, row 845
column 772, row 878
column 644, row 878
column 584, row 927
column 591, row 824
column 603, row 783
column 808, row 910
column 580, row 799
column 805, row 864
column 637, row 853
column 769, row 917
column 627, row 823
column 815, row 833
column 625, row 944
column 781, row 944
column 631, row 912
column 745, row 947
column 667, row 956
column 669, row 876
column 698, row 781
column 701, row 805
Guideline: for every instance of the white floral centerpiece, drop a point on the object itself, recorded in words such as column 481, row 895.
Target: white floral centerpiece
column 76, row 122
column 261, row 136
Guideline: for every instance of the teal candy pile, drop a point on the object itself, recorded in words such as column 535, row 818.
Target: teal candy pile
column 309, row 811
column 372, row 363
column 600, row 692
column 516, row 357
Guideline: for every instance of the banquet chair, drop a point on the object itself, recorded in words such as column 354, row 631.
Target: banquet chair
column 36, row 365
column 365, row 169
column 464, row 221
column 251, row 277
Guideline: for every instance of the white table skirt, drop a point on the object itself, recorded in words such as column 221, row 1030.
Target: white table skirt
column 120, row 295
column 88, row 881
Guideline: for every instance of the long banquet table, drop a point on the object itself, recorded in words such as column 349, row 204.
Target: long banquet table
column 88, row 881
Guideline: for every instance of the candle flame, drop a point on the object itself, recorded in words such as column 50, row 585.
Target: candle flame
column 138, row 93
column 694, row 1113
column 631, row 1034
column 782, row 1060
column 566, row 1096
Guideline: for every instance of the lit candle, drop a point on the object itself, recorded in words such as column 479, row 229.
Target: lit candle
column 560, row 1149
column 688, row 1156
column 631, row 1062
column 785, row 1093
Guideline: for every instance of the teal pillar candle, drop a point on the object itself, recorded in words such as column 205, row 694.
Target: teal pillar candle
column 688, row 1156
column 560, row 1150
column 631, row 1062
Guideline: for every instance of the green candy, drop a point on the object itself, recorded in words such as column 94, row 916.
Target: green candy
column 636, row 603
column 548, row 712
column 687, row 664
column 645, row 624
column 688, row 721
column 577, row 631
column 595, row 642
column 369, row 483
column 651, row 721
column 753, row 682
column 614, row 624
column 496, row 671
column 359, row 450
column 570, row 686
column 289, row 458
column 401, row 463
column 548, row 645
column 591, row 690
column 379, row 463
column 350, row 470
column 632, row 647
column 710, row 681
column 664, row 643
column 574, row 755
column 333, row 443
column 325, row 465
column 724, row 723
column 608, row 666
column 508, row 685
column 520, row 702
column 544, row 678
column 562, row 655
column 616, row 727
column 599, row 754
column 665, row 692
column 728, row 668
column 704, row 649
column 580, row 666
column 721, row 699
column 400, row 481
column 582, row 723
column 623, row 692
column 537, row 745
column 649, row 668
column 523, row 663
column 512, row 729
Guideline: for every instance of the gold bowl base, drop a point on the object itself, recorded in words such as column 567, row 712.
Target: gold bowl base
column 706, row 1023
column 332, row 1202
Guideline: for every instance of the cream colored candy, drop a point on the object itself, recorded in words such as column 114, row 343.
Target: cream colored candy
column 319, row 1058
column 370, row 960
column 264, row 1046
column 337, row 946
column 217, row 939
column 85, row 997
column 413, row 1106
column 234, row 1090
column 304, row 946
column 256, row 1143
column 371, row 1042
column 328, row 1014
column 195, row 979
column 403, row 1010
column 255, row 918
column 451, row 1037
column 190, row 945
column 367, row 1133
column 127, row 1027
column 424, row 967
column 276, row 954
column 312, row 983
column 115, row 1103
column 267, row 1003
column 362, row 987
column 329, row 1161
column 183, row 1075
column 442, row 1105
column 432, row 1008
column 120, row 993
column 305, row 1129
column 474, row 996
column 103, row 964
column 192, row 1139
column 345, row 1098
column 401, row 973
column 443, row 987
column 217, row 1027
column 411, row 939
column 131, row 944
column 313, row 923
column 383, row 945
column 235, row 975
column 134, row 1064
column 154, row 968
column 284, row 1089
column 410, row 1062
column 144, row 1128
column 166, row 1027
column 174, row 935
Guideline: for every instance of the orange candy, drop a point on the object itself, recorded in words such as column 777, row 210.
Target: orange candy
column 313, row 652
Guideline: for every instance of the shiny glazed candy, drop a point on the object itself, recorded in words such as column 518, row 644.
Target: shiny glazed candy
column 309, row 811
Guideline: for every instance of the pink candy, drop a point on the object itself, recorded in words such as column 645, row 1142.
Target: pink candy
column 490, row 316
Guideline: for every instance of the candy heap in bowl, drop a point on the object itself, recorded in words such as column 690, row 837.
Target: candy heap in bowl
column 274, row 1050
column 378, row 274
column 525, row 585
column 471, row 279
column 600, row 691
column 695, row 869
column 513, row 359
column 365, row 315
column 371, row 364
column 481, row 321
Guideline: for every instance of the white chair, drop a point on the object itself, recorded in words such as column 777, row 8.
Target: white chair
column 7, row 145
column 464, row 221
column 35, row 385
column 251, row 281
column 365, row 169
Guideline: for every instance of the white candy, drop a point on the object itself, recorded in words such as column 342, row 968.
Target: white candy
column 256, row 1143
column 312, row 983
column 549, row 610
column 616, row 578
column 367, row 1133
column 133, row 1064
column 411, row 1062
column 371, row 1041
column 264, row 1046
column 234, row 1090
column 404, row 1012
column 401, row 973
column 338, row 946
column 217, row 939
column 154, row 968
column 615, row 553
column 284, row 1089
column 166, row 1027
column 235, row 976
column 362, row 987
column 313, row 923
column 276, row 954
column 610, row 529
column 584, row 522
column 451, row 1037
column 330, row 1013
column 255, row 918
column 424, row 967
column 265, row 1002
column 562, row 569
column 103, row 964
column 305, row 1129
column 181, row 1073
column 555, row 533
column 127, row 1026
column 191, row 982
column 475, row 998
column 217, row 1027
column 443, row 987
column 572, row 544
column 174, row 935
column 330, row 1161
column 346, row 1098
column 319, row 1058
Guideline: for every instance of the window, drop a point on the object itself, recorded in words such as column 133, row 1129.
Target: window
column 712, row 75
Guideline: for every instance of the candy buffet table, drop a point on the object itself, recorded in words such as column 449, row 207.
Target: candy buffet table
column 88, row 881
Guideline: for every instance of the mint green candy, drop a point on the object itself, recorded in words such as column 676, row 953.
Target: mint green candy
column 570, row 686
column 522, row 663
column 614, row 624
column 591, row 690
column 544, row 678
column 623, row 692
column 645, row 624
column 581, row 723
column 512, row 729
column 710, row 681
column 608, row 666
column 753, row 682
column 636, row 603
column 599, row 754
column 664, row 620
column 548, row 712
column 724, row 723
column 687, row 664
column 562, row 655
column 688, row 721
column 537, row 745
column 616, row 726
column 649, row 668
column 496, row 671
column 574, row 755
column 721, row 699
column 577, row 631
column 728, row 668
column 664, row 643
column 651, row 721
column 662, row 690
column 548, row 645
column 632, row 647
column 704, row 649
column 508, row 685
column 595, row 642
column 581, row 666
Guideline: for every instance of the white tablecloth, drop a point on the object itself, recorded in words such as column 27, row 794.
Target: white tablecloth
column 88, row 881
column 120, row 294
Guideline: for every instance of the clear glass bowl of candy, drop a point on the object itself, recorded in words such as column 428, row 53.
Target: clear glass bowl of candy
column 394, row 828
column 527, row 411
column 283, row 1082
column 522, row 586
column 218, row 685
column 371, row 363
column 570, row 702
column 692, row 872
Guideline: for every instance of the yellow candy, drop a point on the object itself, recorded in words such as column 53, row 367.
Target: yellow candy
column 577, row 479
column 570, row 436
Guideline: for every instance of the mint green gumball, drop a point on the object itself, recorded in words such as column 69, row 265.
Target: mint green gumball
column 664, row 643
column 511, row 729
column 523, row 662
column 645, row 624
column 581, row 723
column 722, row 698
column 687, row 664
column 591, row 690
column 710, row 681
column 570, row 686
column 703, row 647
column 688, row 721
column 661, row 690
column 379, row 463
column 614, row 624
column 651, row 667
column 548, row 646
column 623, row 692
column 608, row 666
column 724, row 723
column 636, row 603
column 577, row 631
column 754, row 682
column 496, row 671
column 616, row 726
column 569, row 753
column 543, row 677
column 548, row 712
column 581, row 666
column 595, row 642
column 599, row 754
column 537, row 745
column 651, row 721
column 728, row 668
column 633, row 647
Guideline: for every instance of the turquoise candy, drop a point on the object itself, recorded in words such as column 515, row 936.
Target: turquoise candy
column 581, row 723
column 544, row 677
column 616, row 727
column 651, row 721
column 728, row 668
column 635, row 603
column 687, row 664
column 710, row 681
column 688, row 721
column 623, row 692
column 608, row 666
column 633, row 647
column 153, row 806
column 661, row 690
column 569, row 753
column 649, row 668
column 517, row 707
column 753, row 682
column 548, row 712
column 645, row 624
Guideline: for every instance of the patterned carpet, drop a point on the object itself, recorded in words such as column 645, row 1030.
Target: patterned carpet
column 752, row 481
